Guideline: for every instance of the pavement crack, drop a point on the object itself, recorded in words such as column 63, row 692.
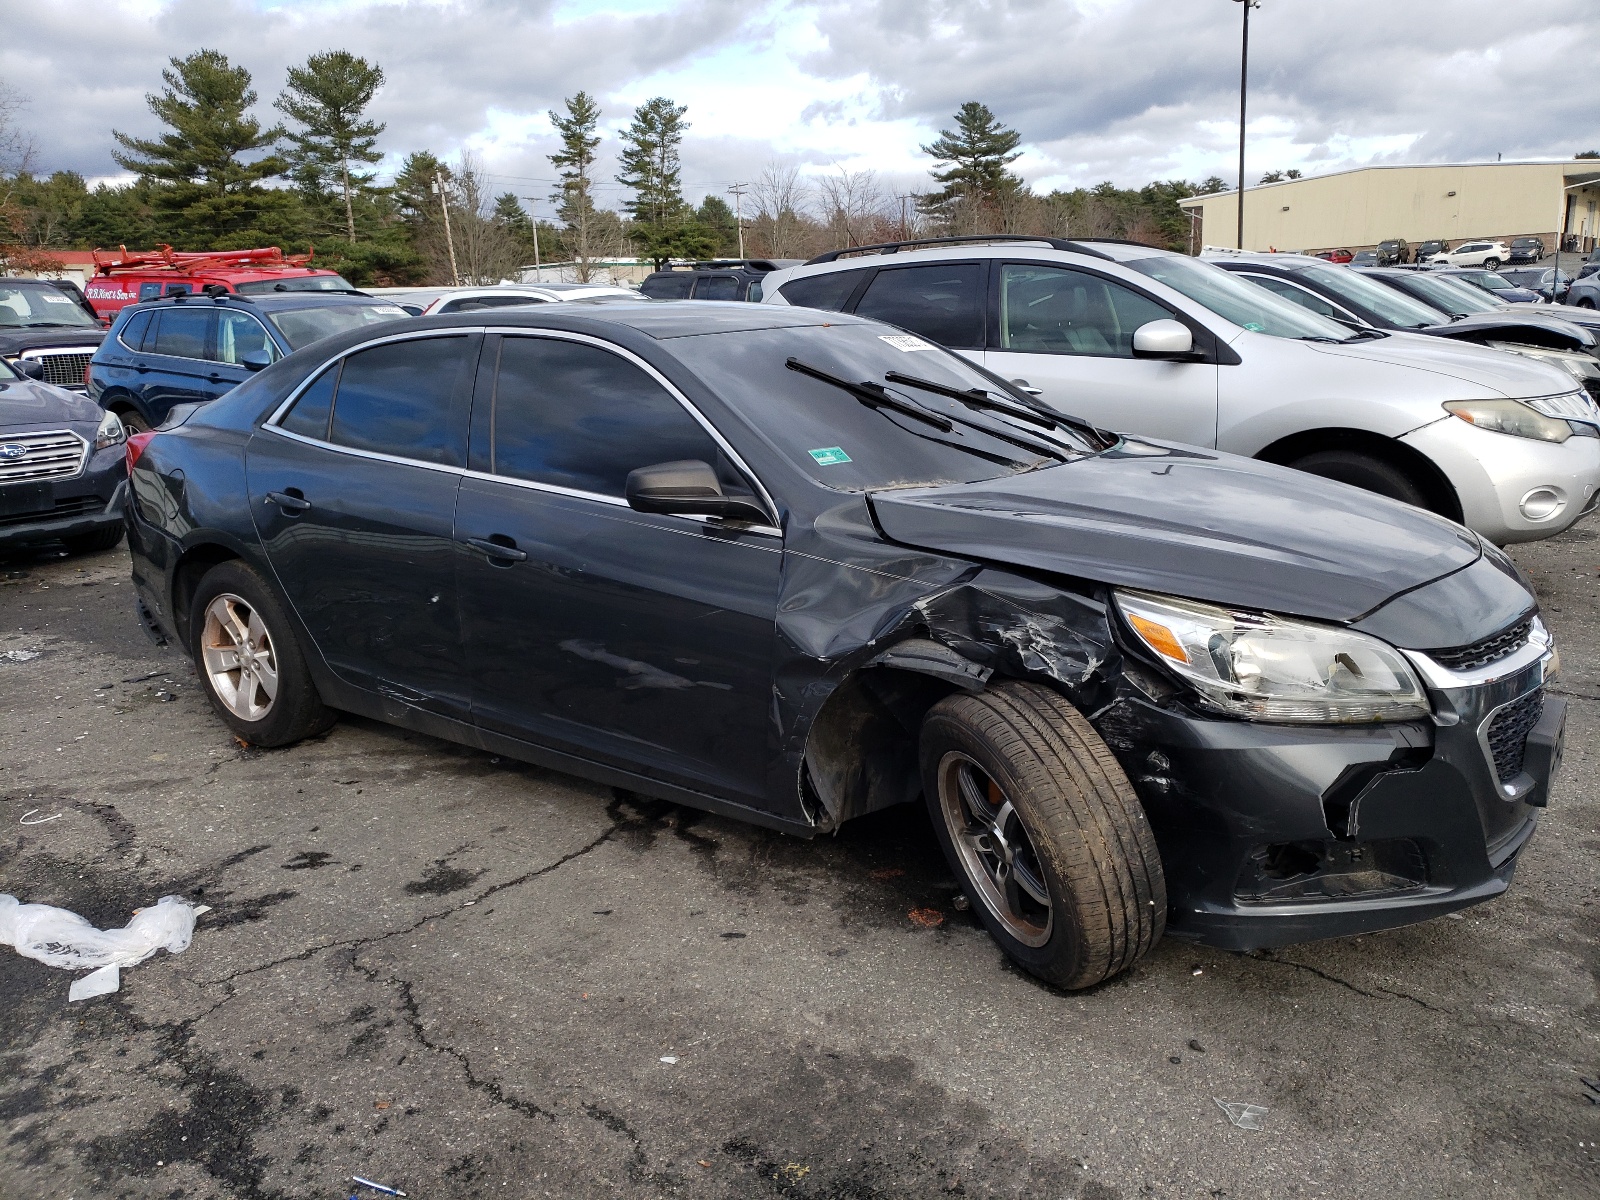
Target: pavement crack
column 1574, row 695
column 1360, row 991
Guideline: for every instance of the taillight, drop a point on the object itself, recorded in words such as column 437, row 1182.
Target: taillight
column 136, row 445
column 86, row 377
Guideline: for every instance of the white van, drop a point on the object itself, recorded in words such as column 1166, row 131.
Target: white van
column 1149, row 342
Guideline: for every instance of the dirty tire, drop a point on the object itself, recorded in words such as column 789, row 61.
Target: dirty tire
column 89, row 543
column 1085, row 826
column 132, row 420
column 1366, row 471
column 296, row 710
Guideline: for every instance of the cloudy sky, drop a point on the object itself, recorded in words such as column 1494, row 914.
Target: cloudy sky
column 1126, row 90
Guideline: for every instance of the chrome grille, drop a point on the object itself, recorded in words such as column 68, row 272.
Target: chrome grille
column 1491, row 649
column 64, row 368
column 1508, row 734
column 31, row 457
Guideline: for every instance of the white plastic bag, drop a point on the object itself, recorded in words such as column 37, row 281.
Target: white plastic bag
column 60, row 938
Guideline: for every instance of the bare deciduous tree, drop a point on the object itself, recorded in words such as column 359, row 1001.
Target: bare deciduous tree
column 854, row 207
column 779, row 228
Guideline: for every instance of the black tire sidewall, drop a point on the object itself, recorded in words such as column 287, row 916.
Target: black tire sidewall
column 1362, row 470
column 90, row 543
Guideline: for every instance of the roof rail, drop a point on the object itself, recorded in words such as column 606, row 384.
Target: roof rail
column 1122, row 242
column 970, row 239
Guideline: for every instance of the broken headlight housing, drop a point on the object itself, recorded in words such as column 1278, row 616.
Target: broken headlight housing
column 1268, row 668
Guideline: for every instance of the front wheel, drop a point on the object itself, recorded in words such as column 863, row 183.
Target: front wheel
column 246, row 655
column 1491, row 264
column 1364, row 471
column 1037, row 817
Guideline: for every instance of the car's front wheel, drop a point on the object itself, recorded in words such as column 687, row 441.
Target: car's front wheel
column 1365, row 471
column 247, row 657
column 1491, row 264
column 1035, row 814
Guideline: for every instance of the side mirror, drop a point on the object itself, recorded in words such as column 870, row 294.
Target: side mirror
column 28, row 368
column 255, row 360
column 1163, row 339
column 688, row 488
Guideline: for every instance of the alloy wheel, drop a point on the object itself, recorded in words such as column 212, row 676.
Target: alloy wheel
column 239, row 657
column 995, row 849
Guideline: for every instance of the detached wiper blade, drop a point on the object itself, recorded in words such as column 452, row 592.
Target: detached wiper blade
column 875, row 395
column 976, row 397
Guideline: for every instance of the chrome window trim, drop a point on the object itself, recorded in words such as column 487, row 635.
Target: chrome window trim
column 272, row 425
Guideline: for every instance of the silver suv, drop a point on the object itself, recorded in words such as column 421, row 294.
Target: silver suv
column 1159, row 344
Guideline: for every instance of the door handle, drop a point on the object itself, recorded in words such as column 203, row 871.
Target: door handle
column 141, row 367
column 291, row 503
column 504, row 549
column 1032, row 391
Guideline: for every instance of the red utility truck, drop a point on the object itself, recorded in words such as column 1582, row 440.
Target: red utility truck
column 125, row 278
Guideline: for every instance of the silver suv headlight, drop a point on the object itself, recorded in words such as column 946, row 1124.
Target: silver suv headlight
column 1268, row 668
column 110, row 433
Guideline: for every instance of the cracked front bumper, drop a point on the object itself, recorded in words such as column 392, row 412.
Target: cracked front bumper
column 1275, row 834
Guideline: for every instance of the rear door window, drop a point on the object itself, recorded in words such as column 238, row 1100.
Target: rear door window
column 942, row 301
column 309, row 416
column 717, row 287
column 405, row 399
column 1058, row 310
column 667, row 287
column 831, row 291
column 183, row 333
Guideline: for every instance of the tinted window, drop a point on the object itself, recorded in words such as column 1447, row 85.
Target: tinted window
column 309, row 416
column 182, row 332
column 1298, row 295
column 133, row 332
column 717, row 287
column 476, row 303
column 241, row 336
column 302, row 326
column 1053, row 310
column 399, row 399
column 829, row 291
column 577, row 416
column 149, row 291
column 942, row 302
column 667, row 287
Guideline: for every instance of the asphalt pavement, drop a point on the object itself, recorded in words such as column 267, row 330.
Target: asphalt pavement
column 465, row 977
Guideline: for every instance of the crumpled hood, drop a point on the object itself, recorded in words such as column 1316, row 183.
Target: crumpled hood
column 1192, row 523
column 28, row 402
column 1489, row 371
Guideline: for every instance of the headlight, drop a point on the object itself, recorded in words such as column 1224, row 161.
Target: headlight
column 1269, row 668
column 1574, row 406
column 1579, row 365
column 110, row 433
column 1510, row 416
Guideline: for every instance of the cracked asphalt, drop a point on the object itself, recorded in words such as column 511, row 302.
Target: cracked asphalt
column 466, row 977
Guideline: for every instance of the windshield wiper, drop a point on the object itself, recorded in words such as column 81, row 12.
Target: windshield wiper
column 55, row 325
column 976, row 397
column 875, row 395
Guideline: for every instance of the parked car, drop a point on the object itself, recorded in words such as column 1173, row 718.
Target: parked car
column 130, row 278
column 1395, row 250
column 190, row 349
column 1227, row 364
column 1461, row 299
column 799, row 567
column 1584, row 292
column 1496, row 285
column 722, row 279
column 1543, row 283
column 1526, row 249
column 1360, row 300
column 48, row 323
column 1427, row 250
column 61, row 467
column 1364, row 258
column 1475, row 254
column 429, row 301
column 1336, row 256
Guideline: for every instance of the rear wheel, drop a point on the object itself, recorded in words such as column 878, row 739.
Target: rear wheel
column 1366, row 471
column 1035, row 814
column 1585, row 302
column 133, row 421
column 1491, row 264
column 246, row 654
column 90, row 543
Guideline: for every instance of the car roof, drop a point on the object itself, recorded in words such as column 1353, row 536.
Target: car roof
column 1257, row 259
column 266, row 301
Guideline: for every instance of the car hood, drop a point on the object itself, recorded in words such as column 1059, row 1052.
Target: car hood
column 1518, row 378
column 1521, row 325
column 14, row 340
column 28, row 402
column 1192, row 523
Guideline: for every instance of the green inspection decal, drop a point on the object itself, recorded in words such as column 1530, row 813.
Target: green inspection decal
column 829, row 456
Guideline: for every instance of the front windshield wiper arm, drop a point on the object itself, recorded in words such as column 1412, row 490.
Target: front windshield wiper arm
column 977, row 397
column 875, row 395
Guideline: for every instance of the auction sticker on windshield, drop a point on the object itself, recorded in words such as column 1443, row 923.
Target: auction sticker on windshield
column 830, row 456
column 905, row 341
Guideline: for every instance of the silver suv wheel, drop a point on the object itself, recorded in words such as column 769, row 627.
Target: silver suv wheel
column 238, row 657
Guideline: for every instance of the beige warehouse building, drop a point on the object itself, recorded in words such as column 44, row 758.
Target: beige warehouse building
column 1458, row 202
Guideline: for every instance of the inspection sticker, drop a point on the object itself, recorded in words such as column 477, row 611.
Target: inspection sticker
column 905, row 342
column 829, row 456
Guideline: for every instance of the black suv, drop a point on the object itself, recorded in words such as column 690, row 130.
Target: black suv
column 47, row 330
column 1393, row 251
column 1527, row 249
column 1428, row 249
column 720, row 279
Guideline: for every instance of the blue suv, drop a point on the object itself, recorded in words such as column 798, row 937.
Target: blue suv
column 183, row 349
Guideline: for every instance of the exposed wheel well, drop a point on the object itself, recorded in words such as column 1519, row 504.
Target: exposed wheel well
column 191, row 569
column 1441, row 494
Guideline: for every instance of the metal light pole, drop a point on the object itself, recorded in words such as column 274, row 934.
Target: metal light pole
column 1244, row 78
column 738, row 191
column 449, row 239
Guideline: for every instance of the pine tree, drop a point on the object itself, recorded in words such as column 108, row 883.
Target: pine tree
column 513, row 218
column 574, row 196
column 717, row 217
column 204, row 191
column 328, row 96
column 650, row 167
column 974, row 157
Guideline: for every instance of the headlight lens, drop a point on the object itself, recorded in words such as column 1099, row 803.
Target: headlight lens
column 1512, row 417
column 1268, row 668
column 110, row 433
column 1581, row 366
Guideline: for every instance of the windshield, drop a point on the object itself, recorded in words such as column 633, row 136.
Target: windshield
column 913, row 438
column 302, row 326
column 36, row 305
column 1488, row 279
column 1238, row 300
column 295, row 283
column 1447, row 295
column 1395, row 307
